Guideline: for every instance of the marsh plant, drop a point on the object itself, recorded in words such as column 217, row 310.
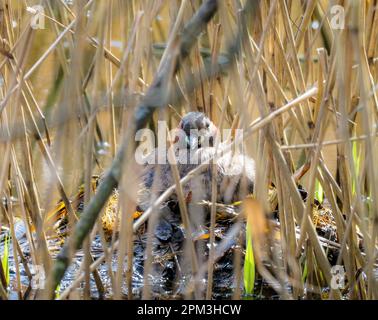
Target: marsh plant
column 89, row 88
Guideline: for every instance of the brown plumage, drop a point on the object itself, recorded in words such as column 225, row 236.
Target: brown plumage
column 231, row 169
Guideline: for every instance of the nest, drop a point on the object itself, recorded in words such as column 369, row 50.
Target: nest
column 322, row 217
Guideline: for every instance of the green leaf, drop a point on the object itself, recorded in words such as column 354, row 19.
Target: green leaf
column 249, row 264
column 356, row 152
column 305, row 272
column 57, row 292
column 319, row 194
column 5, row 259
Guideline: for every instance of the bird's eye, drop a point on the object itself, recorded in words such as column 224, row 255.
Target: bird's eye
column 207, row 125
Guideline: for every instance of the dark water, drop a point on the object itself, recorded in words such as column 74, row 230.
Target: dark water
column 170, row 273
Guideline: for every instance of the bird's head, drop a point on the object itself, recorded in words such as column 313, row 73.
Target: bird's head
column 198, row 130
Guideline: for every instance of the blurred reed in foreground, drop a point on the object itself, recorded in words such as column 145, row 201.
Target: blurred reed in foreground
column 297, row 80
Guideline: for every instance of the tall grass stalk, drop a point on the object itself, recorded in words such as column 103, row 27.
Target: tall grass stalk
column 303, row 90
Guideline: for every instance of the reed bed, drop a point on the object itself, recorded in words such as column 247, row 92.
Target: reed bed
column 300, row 79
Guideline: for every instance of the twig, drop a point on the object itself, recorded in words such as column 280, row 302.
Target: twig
column 154, row 99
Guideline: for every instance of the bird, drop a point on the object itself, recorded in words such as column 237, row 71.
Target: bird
column 195, row 145
column 196, row 134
